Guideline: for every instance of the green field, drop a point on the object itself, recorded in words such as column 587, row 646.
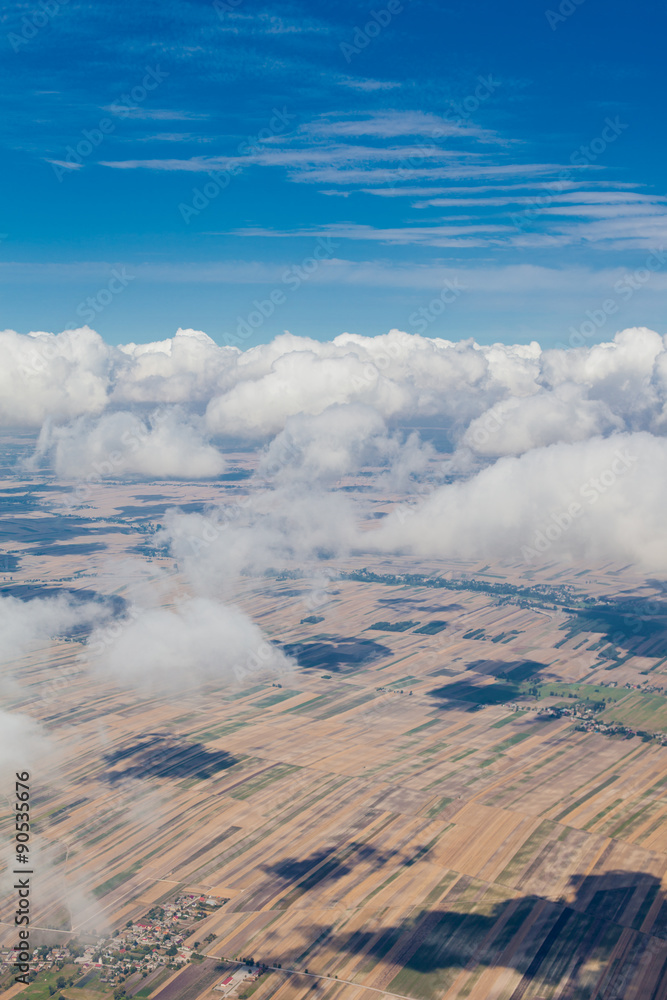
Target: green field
column 116, row 880
column 393, row 626
column 637, row 710
column 261, row 781
column 39, row 990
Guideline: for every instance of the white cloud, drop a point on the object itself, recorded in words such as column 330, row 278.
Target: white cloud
column 390, row 124
column 494, row 400
column 340, row 441
column 46, row 375
column 601, row 499
column 173, row 648
column 294, row 375
column 168, row 445
column 186, row 368
column 288, row 528
column 25, row 626
column 23, row 745
column 516, row 425
column 434, row 236
column 557, row 454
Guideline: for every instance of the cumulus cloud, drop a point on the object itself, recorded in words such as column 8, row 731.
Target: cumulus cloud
column 276, row 530
column 43, row 375
column 399, row 375
column 74, row 373
column 568, row 394
column 515, row 421
column 26, row 626
column 517, row 424
column 340, row 441
column 601, row 499
column 169, row 444
column 176, row 647
column 23, row 744
column 186, row 368
column 159, row 644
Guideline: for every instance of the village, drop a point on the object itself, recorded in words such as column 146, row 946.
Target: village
column 129, row 956
column 586, row 713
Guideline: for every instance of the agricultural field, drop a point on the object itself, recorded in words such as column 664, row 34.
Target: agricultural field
column 408, row 810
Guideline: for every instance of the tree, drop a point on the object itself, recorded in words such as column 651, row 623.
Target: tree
column 61, row 982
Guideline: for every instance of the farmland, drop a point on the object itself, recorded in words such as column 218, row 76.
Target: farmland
column 406, row 810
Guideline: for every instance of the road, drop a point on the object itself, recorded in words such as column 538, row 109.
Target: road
column 314, row 975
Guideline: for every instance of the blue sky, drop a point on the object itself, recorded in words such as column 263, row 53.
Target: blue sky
column 479, row 170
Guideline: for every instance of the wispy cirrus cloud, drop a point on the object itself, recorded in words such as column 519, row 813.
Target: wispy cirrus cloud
column 343, row 165
column 154, row 114
column 575, row 202
column 366, row 84
column 637, row 232
column 272, row 22
column 348, row 144
column 391, row 123
column 421, row 191
column 434, row 236
column 303, row 160
column 66, row 166
column 407, row 171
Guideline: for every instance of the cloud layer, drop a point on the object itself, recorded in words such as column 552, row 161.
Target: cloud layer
column 567, row 394
column 524, row 431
